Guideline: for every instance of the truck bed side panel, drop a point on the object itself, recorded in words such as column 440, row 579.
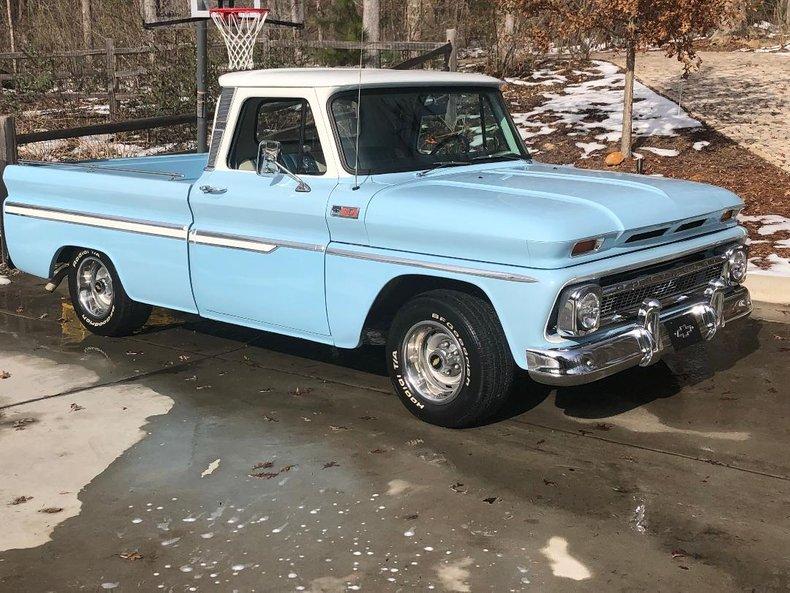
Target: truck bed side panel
column 140, row 222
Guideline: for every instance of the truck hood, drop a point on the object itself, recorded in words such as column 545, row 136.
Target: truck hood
column 531, row 215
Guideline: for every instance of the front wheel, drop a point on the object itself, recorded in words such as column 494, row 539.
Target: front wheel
column 98, row 297
column 449, row 360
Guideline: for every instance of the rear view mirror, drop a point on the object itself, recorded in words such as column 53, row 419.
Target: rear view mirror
column 268, row 155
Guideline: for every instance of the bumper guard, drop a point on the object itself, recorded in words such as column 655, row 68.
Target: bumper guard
column 641, row 343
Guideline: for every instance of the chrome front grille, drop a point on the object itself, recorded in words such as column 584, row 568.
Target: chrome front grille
column 624, row 298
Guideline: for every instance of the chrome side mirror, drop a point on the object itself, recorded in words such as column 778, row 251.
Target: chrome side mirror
column 268, row 163
column 268, row 155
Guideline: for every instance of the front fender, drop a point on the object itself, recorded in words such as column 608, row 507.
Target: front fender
column 356, row 275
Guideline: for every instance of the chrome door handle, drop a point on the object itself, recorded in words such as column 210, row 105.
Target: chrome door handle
column 209, row 189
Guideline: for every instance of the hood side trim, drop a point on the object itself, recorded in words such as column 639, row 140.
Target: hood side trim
column 507, row 276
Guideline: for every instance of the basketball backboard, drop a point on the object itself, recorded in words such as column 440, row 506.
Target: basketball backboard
column 158, row 13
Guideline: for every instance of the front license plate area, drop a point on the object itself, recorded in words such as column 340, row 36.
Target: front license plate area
column 683, row 331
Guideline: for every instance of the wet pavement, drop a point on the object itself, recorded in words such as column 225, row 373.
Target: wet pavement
column 198, row 456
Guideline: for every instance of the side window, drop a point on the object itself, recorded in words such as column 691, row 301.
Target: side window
column 290, row 122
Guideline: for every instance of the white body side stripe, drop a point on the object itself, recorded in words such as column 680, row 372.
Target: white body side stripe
column 106, row 222
column 231, row 242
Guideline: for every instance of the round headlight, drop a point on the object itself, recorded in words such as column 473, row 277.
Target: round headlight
column 579, row 310
column 737, row 263
column 588, row 312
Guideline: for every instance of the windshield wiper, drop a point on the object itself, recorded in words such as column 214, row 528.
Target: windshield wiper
column 441, row 165
column 498, row 157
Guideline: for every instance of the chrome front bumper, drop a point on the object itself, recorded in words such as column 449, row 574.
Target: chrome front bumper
column 640, row 343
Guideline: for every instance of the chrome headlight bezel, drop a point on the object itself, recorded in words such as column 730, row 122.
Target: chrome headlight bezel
column 736, row 264
column 572, row 304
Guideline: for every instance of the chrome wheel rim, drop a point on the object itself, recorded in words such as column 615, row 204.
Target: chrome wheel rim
column 94, row 287
column 433, row 362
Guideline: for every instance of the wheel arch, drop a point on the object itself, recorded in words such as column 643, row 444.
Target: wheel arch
column 401, row 289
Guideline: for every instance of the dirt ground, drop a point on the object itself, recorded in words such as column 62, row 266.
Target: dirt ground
column 198, row 456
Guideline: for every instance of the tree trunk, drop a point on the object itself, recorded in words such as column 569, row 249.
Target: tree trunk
column 413, row 19
column 11, row 31
column 628, row 101
column 87, row 23
column 371, row 26
column 319, row 18
column 505, row 43
column 297, row 16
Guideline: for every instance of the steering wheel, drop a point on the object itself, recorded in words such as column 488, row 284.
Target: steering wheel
column 455, row 136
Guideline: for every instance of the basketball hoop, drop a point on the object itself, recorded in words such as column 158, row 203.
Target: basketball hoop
column 239, row 28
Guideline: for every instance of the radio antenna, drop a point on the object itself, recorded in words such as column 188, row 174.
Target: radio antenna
column 359, row 103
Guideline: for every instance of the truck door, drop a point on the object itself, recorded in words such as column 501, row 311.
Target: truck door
column 257, row 245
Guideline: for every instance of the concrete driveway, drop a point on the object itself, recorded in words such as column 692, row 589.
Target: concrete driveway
column 203, row 457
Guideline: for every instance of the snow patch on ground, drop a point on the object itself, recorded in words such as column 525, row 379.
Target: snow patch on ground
column 589, row 148
column 4, row 281
column 661, row 151
column 777, row 266
column 562, row 563
column 771, row 223
column 700, row 144
column 602, row 96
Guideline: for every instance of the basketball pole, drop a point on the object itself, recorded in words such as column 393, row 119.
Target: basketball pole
column 201, row 74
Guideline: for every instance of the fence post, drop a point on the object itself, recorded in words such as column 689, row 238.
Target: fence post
column 8, row 156
column 452, row 61
column 112, row 80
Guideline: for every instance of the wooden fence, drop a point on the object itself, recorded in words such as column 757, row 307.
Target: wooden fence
column 111, row 76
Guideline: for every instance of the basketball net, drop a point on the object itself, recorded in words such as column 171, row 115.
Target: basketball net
column 239, row 28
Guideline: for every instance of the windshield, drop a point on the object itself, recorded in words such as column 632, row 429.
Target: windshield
column 413, row 129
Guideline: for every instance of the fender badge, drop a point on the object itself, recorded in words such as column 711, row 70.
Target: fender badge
column 345, row 211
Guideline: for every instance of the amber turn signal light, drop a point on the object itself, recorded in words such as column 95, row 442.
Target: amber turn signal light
column 585, row 246
column 727, row 215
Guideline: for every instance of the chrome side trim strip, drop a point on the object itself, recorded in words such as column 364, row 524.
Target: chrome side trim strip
column 430, row 265
column 96, row 168
column 247, row 243
column 117, row 223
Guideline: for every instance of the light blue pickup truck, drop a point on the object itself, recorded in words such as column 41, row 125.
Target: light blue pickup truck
column 396, row 207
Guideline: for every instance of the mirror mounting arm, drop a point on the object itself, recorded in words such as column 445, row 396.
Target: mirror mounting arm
column 301, row 186
column 268, row 162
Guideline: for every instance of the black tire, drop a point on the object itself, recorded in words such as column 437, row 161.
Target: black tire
column 123, row 315
column 488, row 365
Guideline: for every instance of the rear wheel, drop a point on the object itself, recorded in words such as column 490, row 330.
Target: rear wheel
column 98, row 297
column 448, row 359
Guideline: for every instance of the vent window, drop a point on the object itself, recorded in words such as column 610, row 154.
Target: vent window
column 220, row 121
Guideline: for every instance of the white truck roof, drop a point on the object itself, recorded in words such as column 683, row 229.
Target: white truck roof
column 349, row 77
